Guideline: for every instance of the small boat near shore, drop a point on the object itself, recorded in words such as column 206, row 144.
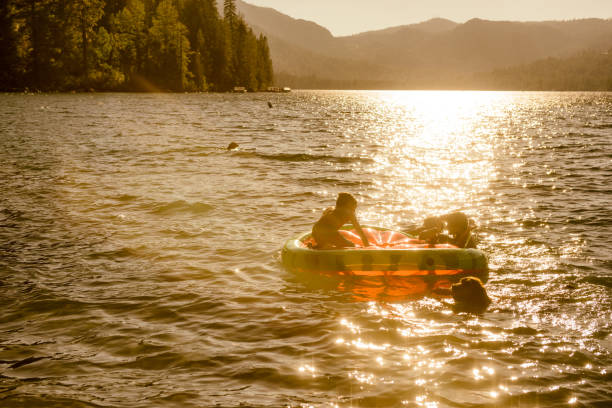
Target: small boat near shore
column 277, row 89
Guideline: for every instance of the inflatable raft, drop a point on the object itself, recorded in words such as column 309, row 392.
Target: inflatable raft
column 392, row 254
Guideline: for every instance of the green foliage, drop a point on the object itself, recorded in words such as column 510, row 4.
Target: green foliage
column 129, row 45
column 10, row 70
column 229, row 11
column 265, row 72
column 168, row 48
column 129, row 35
column 87, row 13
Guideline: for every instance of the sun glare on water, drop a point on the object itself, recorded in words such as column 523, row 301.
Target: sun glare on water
column 436, row 150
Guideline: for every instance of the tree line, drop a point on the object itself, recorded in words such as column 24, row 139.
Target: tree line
column 145, row 45
column 588, row 70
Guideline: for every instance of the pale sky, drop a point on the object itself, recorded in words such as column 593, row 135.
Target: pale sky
column 346, row 17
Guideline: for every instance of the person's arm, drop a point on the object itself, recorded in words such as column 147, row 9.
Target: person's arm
column 429, row 234
column 362, row 235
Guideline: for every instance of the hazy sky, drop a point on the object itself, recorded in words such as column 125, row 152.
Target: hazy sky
column 345, row 17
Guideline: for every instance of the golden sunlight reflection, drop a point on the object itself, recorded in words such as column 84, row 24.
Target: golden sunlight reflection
column 307, row 369
column 490, row 336
column 353, row 328
column 436, row 151
column 360, row 344
column 361, row 377
column 421, row 401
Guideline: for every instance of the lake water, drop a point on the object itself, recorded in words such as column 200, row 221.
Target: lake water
column 140, row 260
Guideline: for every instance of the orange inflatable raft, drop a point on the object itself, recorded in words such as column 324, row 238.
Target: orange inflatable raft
column 393, row 256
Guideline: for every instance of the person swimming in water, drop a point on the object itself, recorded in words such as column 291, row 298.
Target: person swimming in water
column 469, row 295
column 326, row 230
column 457, row 224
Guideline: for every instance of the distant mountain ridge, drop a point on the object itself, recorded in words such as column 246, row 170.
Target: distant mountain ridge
column 431, row 54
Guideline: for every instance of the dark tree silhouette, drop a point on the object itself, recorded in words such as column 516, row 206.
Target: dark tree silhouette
column 129, row 45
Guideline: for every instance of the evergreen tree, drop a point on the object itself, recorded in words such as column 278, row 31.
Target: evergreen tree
column 199, row 62
column 125, row 44
column 9, row 60
column 265, row 73
column 169, row 48
column 129, row 34
column 245, row 56
column 200, row 17
column 88, row 12
column 34, row 24
column 224, row 67
column 229, row 12
column 111, row 8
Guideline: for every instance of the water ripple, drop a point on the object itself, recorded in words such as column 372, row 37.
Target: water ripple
column 139, row 259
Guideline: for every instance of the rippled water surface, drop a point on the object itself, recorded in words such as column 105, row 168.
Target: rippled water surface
column 140, row 260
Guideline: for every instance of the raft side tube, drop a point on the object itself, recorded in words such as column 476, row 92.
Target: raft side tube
column 448, row 262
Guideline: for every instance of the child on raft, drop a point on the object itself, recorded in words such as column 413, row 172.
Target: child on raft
column 459, row 230
column 326, row 230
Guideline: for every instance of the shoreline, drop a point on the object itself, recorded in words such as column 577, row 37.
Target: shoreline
column 95, row 91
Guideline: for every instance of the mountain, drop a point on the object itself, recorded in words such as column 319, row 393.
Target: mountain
column 584, row 71
column 432, row 54
column 274, row 24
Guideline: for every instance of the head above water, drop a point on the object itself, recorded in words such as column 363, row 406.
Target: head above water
column 346, row 201
column 433, row 222
column 470, row 295
column 457, row 223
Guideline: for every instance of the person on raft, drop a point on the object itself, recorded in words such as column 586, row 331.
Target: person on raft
column 326, row 230
column 459, row 229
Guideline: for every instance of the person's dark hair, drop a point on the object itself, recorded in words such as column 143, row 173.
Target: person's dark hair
column 345, row 199
column 432, row 222
column 470, row 295
column 457, row 221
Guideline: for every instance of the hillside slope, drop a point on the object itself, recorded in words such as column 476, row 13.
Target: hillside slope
column 429, row 54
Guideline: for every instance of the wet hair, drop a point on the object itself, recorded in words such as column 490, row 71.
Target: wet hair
column 470, row 295
column 344, row 199
column 457, row 222
column 432, row 222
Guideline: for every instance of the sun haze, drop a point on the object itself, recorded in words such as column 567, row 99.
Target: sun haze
column 347, row 17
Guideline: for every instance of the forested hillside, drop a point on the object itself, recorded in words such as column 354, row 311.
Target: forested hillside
column 585, row 71
column 436, row 54
column 145, row 45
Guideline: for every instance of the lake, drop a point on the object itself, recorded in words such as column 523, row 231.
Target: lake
column 140, row 259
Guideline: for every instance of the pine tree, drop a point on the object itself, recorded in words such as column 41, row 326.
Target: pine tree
column 88, row 12
column 265, row 73
column 9, row 60
column 129, row 38
column 125, row 44
column 200, row 17
column 169, row 48
column 224, row 60
column 245, row 56
column 229, row 12
column 35, row 23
